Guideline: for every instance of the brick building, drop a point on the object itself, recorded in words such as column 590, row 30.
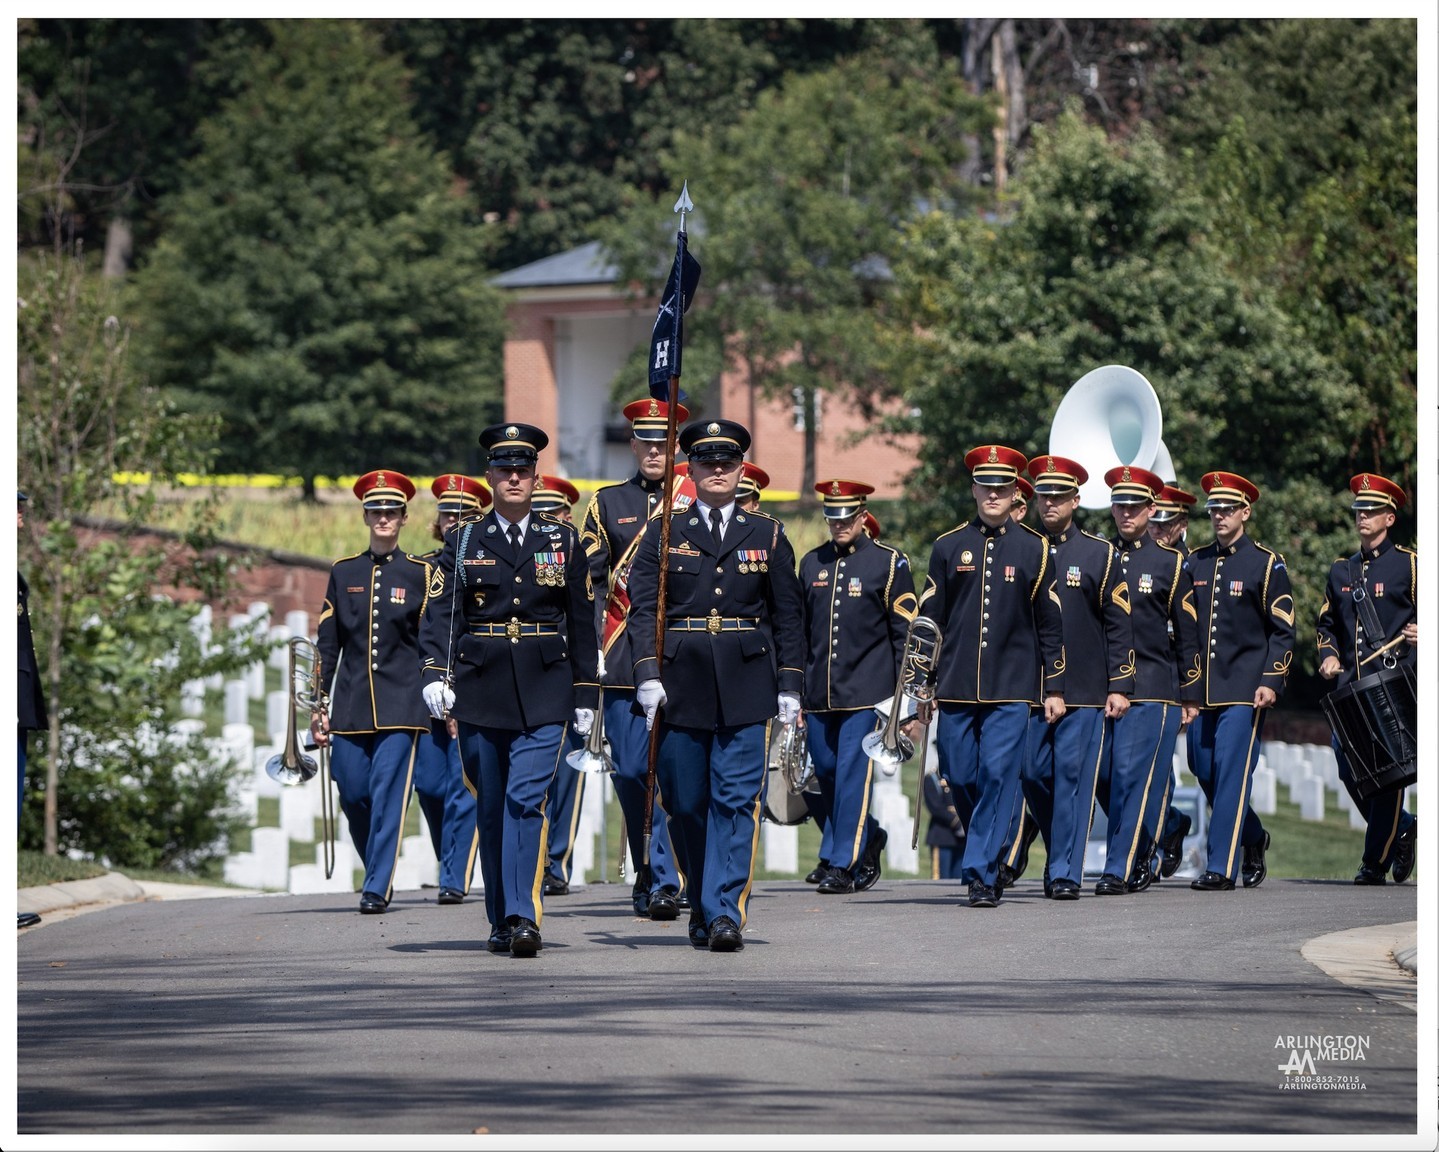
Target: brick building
column 571, row 327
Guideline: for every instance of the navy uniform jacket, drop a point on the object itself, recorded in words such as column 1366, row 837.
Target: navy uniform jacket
column 1098, row 636
column 32, row 697
column 1390, row 575
column 612, row 521
column 1246, row 620
column 734, row 630
column 369, row 627
column 858, row 602
column 992, row 594
column 1165, row 621
column 517, row 629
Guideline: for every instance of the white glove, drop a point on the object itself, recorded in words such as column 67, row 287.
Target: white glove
column 439, row 698
column 650, row 695
column 600, row 670
column 584, row 721
column 788, row 707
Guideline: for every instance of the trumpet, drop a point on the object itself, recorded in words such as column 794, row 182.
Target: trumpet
column 291, row 766
column 793, row 759
column 888, row 747
column 593, row 757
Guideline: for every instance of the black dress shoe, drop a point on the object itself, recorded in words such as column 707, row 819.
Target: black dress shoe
column 1172, row 847
column 1110, row 885
column 684, row 902
column 872, row 860
column 982, row 896
column 499, row 940
column 725, row 936
column 640, row 897
column 838, row 882
column 1404, row 849
column 524, row 938
column 1048, row 883
column 1021, row 861
column 1254, row 869
column 1065, row 890
column 699, row 934
column 1213, row 882
column 1141, row 880
column 372, row 905
column 820, row 871
column 664, row 905
column 27, row 919
column 556, row 885
column 1367, row 875
column 450, row 896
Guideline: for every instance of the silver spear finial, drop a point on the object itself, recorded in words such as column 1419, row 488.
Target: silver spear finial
column 684, row 204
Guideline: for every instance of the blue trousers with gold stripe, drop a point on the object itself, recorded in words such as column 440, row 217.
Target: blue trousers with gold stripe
column 511, row 771
column 1141, row 762
column 713, row 789
column 1223, row 750
column 981, row 747
column 845, row 774
column 630, row 747
column 1060, row 770
column 431, row 782
column 374, row 772
column 439, row 762
column 562, row 810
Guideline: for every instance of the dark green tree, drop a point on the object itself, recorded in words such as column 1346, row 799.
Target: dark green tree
column 800, row 209
column 318, row 285
column 1106, row 256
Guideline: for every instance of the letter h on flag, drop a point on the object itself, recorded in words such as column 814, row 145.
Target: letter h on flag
column 666, row 341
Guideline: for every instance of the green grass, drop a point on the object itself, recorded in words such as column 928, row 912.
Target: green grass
column 35, row 868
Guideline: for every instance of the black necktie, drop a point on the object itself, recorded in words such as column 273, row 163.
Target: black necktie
column 513, row 532
column 716, row 523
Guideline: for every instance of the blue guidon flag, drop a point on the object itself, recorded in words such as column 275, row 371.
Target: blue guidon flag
column 666, row 341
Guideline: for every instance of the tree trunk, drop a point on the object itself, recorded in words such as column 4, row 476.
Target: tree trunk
column 811, row 437
column 119, row 243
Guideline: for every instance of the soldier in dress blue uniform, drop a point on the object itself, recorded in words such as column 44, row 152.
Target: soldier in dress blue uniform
column 1169, row 525
column 991, row 591
column 613, row 520
column 374, row 717
column 514, row 663
column 555, row 496
column 1246, row 644
column 733, row 656
column 1023, row 494
column 438, row 769
column 32, row 714
column 1165, row 700
column 1387, row 574
column 858, row 602
column 1064, row 756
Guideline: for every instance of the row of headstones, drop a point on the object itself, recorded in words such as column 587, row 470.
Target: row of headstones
column 1310, row 772
column 266, row 865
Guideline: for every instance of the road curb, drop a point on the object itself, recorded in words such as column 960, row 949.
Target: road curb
column 111, row 888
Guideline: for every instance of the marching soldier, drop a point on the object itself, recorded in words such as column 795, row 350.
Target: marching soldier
column 1169, row 525
column 754, row 481
column 1246, row 628
column 373, row 720
column 858, row 602
column 991, row 591
column 438, row 768
column 1385, row 576
column 733, row 650
column 1165, row 701
column 1064, row 755
column 509, row 624
column 556, row 496
column 615, row 516
column 1023, row 494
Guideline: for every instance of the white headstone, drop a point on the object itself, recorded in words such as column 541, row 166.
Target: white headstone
column 298, row 812
column 277, row 716
column 272, row 850
column 192, row 698
column 1264, row 796
column 419, row 852
column 781, row 847
column 1311, row 798
column 255, row 680
column 297, row 621
column 279, row 658
column 237, row 702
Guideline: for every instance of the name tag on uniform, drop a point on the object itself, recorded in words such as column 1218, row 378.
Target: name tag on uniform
column 1201, row 583
column 481, row 561
column 684, row 550
column 357, row 588
column 626, row 519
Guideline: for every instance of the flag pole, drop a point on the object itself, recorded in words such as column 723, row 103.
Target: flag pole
column 682, row 206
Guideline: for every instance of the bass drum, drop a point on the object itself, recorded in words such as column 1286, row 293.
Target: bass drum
column 1375, row 720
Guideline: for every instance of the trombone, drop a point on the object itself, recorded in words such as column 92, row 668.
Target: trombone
column 291, row 766
column 592, row 757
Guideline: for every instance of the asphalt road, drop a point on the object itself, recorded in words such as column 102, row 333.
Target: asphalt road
column 894, row 1014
